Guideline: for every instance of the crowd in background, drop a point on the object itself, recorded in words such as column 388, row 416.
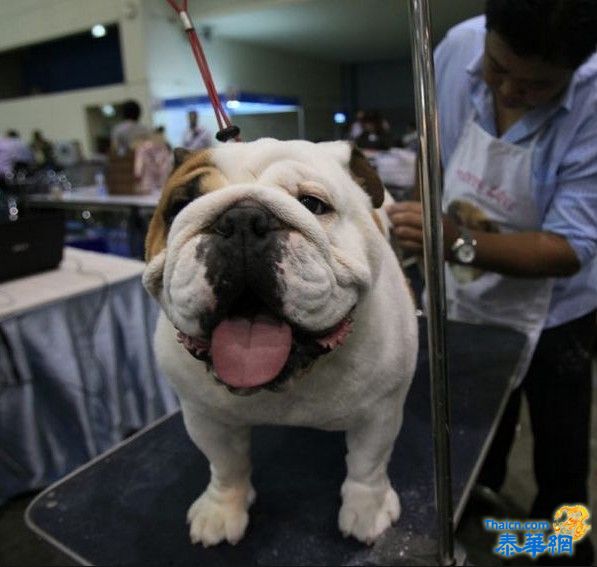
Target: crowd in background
column 150, row 153
column 148, row 149
column 370, row 130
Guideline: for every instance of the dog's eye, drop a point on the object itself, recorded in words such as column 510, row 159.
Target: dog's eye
column 174, row 208
column 315, row 205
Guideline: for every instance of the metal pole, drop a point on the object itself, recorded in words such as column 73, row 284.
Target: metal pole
column 431, row 186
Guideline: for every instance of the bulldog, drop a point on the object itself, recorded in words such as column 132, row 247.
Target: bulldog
column 282, row 302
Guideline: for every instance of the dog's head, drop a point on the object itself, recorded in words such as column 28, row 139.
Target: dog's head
column 259, row 252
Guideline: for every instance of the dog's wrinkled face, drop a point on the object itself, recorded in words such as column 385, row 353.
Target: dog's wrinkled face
column 259, row 252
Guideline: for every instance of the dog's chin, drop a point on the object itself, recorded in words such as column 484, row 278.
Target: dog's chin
column 252, row 348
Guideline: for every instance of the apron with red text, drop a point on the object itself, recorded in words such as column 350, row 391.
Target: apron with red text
column 488, row 186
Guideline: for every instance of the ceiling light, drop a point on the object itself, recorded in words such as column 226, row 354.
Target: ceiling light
column 98, row 30
column 340, row 118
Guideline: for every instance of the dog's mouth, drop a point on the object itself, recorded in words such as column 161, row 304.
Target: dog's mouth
column 253, row 348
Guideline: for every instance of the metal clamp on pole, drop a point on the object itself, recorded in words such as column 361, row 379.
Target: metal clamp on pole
column 431, row 188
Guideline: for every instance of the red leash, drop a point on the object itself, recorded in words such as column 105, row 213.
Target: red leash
column 227, row 130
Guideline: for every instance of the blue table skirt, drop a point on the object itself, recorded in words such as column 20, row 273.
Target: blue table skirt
column 76, row 377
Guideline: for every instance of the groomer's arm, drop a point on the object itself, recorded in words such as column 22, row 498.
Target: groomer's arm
column 523, row 254
column 546, row 253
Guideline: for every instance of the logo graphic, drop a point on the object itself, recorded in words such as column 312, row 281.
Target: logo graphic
column 541, row 537
column 570, row 521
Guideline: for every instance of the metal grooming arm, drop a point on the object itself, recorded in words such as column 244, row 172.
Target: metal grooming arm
column 431, row 186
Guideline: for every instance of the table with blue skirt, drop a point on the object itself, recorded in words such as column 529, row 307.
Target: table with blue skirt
column 77, row 371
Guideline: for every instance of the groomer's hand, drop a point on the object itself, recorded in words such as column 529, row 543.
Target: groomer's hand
column 407, row 223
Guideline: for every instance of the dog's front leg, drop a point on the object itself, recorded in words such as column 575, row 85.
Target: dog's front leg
column 369, row 503
column 221, row 512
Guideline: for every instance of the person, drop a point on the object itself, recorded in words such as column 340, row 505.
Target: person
column 517, row 101
column 159, row 133
column 356, row 128
column 195, row 137
column 14, row 154
column 153, row 163
column 410, row 138
column 42, row 150
column 375, row 133
column 127, row 132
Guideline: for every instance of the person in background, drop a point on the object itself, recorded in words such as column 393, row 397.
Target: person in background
column 126, row 133
column 410, row 138
column 14, row 154
column 376, row 133
column 153, row 163
column 195, row 136
column 356, row 128
column 160, row 134
column 517, row 107
column 42, row 150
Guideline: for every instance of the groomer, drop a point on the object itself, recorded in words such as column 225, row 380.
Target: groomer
column 517, row 105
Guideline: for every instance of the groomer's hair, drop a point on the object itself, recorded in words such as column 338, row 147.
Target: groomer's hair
column 563, row 32
column 131, row 110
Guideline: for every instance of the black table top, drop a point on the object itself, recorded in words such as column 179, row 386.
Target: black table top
column 129, row 506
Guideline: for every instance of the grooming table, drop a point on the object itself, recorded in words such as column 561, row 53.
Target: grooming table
column 128, row 507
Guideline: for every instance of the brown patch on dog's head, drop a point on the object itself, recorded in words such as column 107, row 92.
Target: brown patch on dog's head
column 366, row 176
column 194, row 175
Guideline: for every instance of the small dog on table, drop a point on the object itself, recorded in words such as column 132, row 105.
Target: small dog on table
column 282, row 303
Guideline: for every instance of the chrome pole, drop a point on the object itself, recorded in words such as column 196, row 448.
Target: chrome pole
column 430, row 181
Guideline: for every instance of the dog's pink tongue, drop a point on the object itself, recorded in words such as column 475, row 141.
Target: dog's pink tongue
column 247, row 353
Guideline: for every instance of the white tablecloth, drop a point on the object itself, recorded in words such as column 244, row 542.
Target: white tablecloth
column 77, row 371
column 80, row 272
column 88, row 196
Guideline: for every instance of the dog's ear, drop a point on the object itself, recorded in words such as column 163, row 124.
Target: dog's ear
column 154, row 273
column 367, row 177
column 155, row 240
column 155, row 255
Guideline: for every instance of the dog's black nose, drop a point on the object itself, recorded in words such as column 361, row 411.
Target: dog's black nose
column 247, row 220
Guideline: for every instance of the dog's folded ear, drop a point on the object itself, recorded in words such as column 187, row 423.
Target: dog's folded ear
column 153, row 274
column 367, row 177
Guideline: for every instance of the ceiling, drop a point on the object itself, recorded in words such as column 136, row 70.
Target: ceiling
column 335, row 30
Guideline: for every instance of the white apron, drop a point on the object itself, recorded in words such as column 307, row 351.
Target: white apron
column 487, row 185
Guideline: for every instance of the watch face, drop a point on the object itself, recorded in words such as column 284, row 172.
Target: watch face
column 466, row 253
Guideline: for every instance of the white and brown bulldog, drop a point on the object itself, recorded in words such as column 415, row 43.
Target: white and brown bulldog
column 282, row 303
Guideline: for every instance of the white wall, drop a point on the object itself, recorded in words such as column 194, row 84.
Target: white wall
column 23, row 22
column 62, row 116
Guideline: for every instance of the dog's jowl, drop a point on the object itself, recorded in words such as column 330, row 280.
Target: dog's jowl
column 282, row 303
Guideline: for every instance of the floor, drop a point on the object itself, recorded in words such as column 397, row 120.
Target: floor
column 20, row 547
column 517, row 494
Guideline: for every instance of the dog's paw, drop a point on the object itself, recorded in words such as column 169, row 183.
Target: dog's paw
column 219, row 515
column 367, row 512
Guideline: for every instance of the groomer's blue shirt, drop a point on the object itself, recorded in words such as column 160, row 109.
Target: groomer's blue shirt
column 564, row 160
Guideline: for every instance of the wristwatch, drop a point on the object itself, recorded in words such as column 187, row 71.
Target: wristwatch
column 464, row 248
